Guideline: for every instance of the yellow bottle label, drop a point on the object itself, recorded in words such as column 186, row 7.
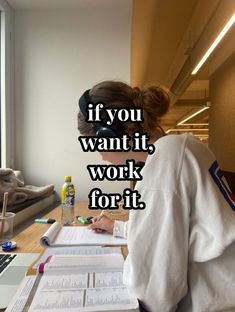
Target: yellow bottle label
column 67, row 194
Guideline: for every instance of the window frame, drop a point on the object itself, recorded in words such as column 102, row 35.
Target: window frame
column 7, row 88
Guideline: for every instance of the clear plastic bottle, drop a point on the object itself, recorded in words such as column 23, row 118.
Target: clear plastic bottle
column 67, row 201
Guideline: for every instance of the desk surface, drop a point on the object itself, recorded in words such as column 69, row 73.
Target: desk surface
column 28, row 239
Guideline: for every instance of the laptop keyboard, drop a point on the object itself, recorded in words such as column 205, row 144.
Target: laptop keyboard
column 5, row 260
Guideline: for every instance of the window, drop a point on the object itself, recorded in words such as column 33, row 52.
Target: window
column 6, row 86
column 0, row 98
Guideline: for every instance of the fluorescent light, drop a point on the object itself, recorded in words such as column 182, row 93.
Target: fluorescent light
column 185, row 130
column 194, row 124
column 214, row 44
column 192, row 115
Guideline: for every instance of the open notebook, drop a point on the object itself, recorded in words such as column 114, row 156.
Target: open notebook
column 58, row 235
column 81, row 283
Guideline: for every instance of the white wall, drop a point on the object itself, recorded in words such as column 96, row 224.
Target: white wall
column 59, row 54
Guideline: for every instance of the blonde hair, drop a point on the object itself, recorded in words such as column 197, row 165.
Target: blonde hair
column 153, row 100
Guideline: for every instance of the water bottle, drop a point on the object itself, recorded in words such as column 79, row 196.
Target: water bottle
column 67, row 201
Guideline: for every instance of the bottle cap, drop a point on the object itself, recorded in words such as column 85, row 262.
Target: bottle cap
column 67, row 178
column 8, row 245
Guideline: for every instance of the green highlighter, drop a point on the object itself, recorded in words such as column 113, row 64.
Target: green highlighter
column 84, row 220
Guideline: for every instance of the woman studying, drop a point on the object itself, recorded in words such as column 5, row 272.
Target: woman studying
column 182, row 245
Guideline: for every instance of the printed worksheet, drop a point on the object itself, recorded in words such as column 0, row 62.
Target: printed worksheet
column 81, row 235
column 82, row 283
column 77, row 250
column 77, row 263
column 57, row 235
column 96, row 299
column 18, row 302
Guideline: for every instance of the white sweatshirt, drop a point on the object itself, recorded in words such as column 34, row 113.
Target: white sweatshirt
column 182, row 245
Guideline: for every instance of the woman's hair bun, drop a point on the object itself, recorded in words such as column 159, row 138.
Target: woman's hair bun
column 136, row 94
column 155, row 101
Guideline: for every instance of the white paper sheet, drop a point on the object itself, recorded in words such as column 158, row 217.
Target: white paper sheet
column 97, row 299
column 77, row 250
column 64, row 282
column 57, row 235
column 107, row 279
column 79, row 235
column 77, row 263
column 112, row 298
column 19, row 300
column 57, row 301
column 81, row 281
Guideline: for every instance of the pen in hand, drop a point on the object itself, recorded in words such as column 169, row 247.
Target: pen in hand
column 97, row 219
column 102, row 223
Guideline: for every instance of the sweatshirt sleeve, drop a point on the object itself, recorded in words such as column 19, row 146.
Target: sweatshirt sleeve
column 120, row 229
column 212, row 208
column 156, row 266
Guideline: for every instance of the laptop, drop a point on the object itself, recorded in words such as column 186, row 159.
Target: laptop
column 12, row 271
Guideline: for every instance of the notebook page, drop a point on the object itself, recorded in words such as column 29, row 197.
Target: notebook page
column 79, row 235
column 72, row 263
column 115, row 298
column 77, row 250
column 75, row 292
column 49, row 236
column 81, row 281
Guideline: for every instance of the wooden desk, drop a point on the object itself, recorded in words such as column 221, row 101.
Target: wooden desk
column 28, row 239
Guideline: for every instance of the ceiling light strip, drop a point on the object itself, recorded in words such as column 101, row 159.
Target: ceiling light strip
column 192, row 115
column 186, row 130
column 194, row 124
column 214, row 44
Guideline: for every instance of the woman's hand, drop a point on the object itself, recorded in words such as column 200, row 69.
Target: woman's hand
column 101, row 224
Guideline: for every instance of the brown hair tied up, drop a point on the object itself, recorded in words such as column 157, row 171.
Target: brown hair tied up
column 136, row 96
column 155, row 103
column 153, row 100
